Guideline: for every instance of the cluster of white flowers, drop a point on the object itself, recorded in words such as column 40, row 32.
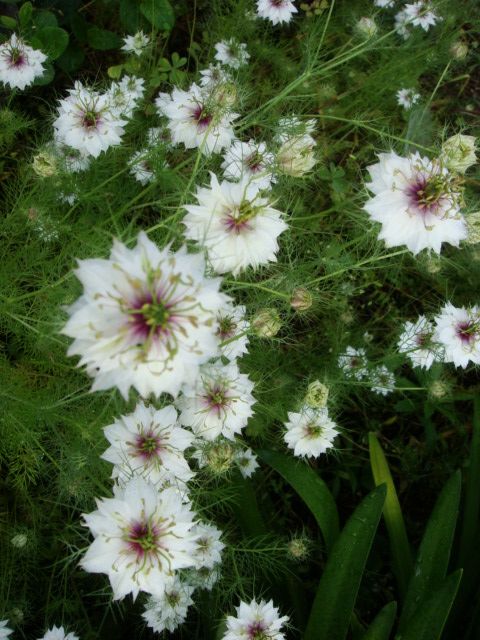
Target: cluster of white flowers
column 452, row 337
column 355, row 366
column 413, row 14
column 20, row 64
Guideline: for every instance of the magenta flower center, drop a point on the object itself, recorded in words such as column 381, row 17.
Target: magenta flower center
column 466, row 331
column 90, row 119
column 148, row 445
column 143, row 538
column 254, row 162
column 216, row 398
column 17, row 58
column 202, row 117
column 150, row 317
column 427, row 193
column 256, row 631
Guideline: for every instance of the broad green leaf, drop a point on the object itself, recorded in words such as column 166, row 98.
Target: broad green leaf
column 46, row 77
column 247, row 511
column 71, row 59
column 337, row 591
column 159, row 13
column 429, row 619
column 45, row 19
column 311, row 488
column 470, row 524
column 25, row 14
column 8, row 22
column 79, row 27
column 115, row 72
column 401, row 554
column 130, row 15
column 434, row 553
column 52, row 41
column 102, row 39
column 381, row 627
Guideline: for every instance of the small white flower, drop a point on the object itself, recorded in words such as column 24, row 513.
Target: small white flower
column 277, row 11
column 124, row 95
column 58, row 633
column 232, row 331
column 458, row 152
column 220, row 402
column 310, row 432
column 19, row 63
column 4, row 630
column 255, row 621
column 136, row 44
column 213, row 76
column 209, row 547
column 69, row 198
column 353, row 363
column 203, row 578
column 72, row 161
column 232, row 53
column 196, row 120
column 246, row 461
column 151, row 443
column 402, row 24
column 421, row 14
column 416, row 341
column 250, row 162
column 406, row 98
column 382, row 380
column 458, row 330
column 142, row 537
column 168, row 611
column 141, row 168
column 237, row 227
column 86, row 122
column 416, row 201
column 383, row 4
column 147, row 318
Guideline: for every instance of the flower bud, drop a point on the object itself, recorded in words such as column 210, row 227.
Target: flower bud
column 19, row 541
column 295, row 157
column 366, row 28
column 267, row 323
column 473, row 228
column 219, row 457
column 317, row 394
column 225, row 94
column 301, row 299
column 458, row 153
column 299, row 548
column 45, row 164
column 459, row 50
column 439, row 389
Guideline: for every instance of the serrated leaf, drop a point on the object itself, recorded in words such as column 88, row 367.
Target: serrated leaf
column 381, row 627
column 102, row 39
column 337, row 591
column 53, row 41
column 311, row 488
column 434, row 553
column 159, row 13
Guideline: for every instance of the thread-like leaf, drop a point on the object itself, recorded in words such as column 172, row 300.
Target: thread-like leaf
column 311, row 488
column 381, row 627
column 392, row 512
column 337, row 591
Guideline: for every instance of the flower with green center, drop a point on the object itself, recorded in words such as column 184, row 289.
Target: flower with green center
column 310, row 432
column 255, row 621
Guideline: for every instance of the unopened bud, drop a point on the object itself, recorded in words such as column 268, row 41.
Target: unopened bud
column 299, row 548
column 458, row 152
column 45, row 164
column 439, row 389
column 301, row 299
column 267, row 323
column 366, row 27
column 459, row 50
column 317, row 394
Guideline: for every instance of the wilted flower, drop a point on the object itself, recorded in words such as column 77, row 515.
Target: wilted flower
column 296, row 155
column 301, row 299
column 45, row 164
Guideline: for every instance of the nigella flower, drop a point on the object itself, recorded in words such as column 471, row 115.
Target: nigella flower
column 123, row 96
column 383, row 4
column 416, row 201
column 277, row 11
column 168, row 611
column 232, row 53
column 141, row 168
column 416, row 341
column 136, row 44
column 310, row 432
column 457, row 329
column 421, row 14
column 209, row 547
column 4, row 630
column 406, row 98
column 150, row 443
column 250, row 162
column 220, row 401
column 353, row 362
column 255, row 621
column 382, row 380
column 58, row 633
column 87, row 123
column 214, row 75
column 402, row 24
column 233, row 331
column 246, row 461
column 237, row 227
column 147, row 318
column 196, row 120
column 142, row 537
column 19, row 63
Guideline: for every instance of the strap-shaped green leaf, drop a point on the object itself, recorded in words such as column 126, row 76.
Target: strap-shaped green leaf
column 432, row 612
column 337, row 591
column 311, row 488
column 434, row 553
column 381, row 627
column 392, row 512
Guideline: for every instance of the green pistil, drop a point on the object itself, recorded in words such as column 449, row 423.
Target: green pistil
column 149, row 445
column 246, row 212
column 433, row 192
column 155, row 314
column 314, row 430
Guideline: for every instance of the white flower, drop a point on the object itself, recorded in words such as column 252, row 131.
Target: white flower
column 384, row 3
column 203, row 578
column 134, row 86
column 86, row 122
column 151, row 443
column 142, row 536
column 19, row 63
column 296, row 156
column 366, row 27
column 168, row 611
column 458, row 152
column 232, row 331
column 255, row 621
column 209, row 547
column 458, row 330
column 277, row 11
column 214, row 75
column 421, row 14
column 416, row 202
column 237, row 227
column 141, row 168
column 250, row 162
column 4, row 630
column 124, row 95
column 58, row 633
column 232, row 53
column 310, row 432
column 416, row 341
column 136, row 44
column 220, row 401
column 72, row 160
column 406, row 98
column 69, row 198
column 196, row 120
column 147, row 318
column 353, row 363
column 382, row 380
column 246, row 461
column 402, row 23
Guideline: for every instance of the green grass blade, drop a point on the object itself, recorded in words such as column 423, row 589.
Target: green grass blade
column 392, row 512
column 429, row 619
column 471, row 512
column 337, row 591
column 433, row 556
column 311, row 488
column 381, row 626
